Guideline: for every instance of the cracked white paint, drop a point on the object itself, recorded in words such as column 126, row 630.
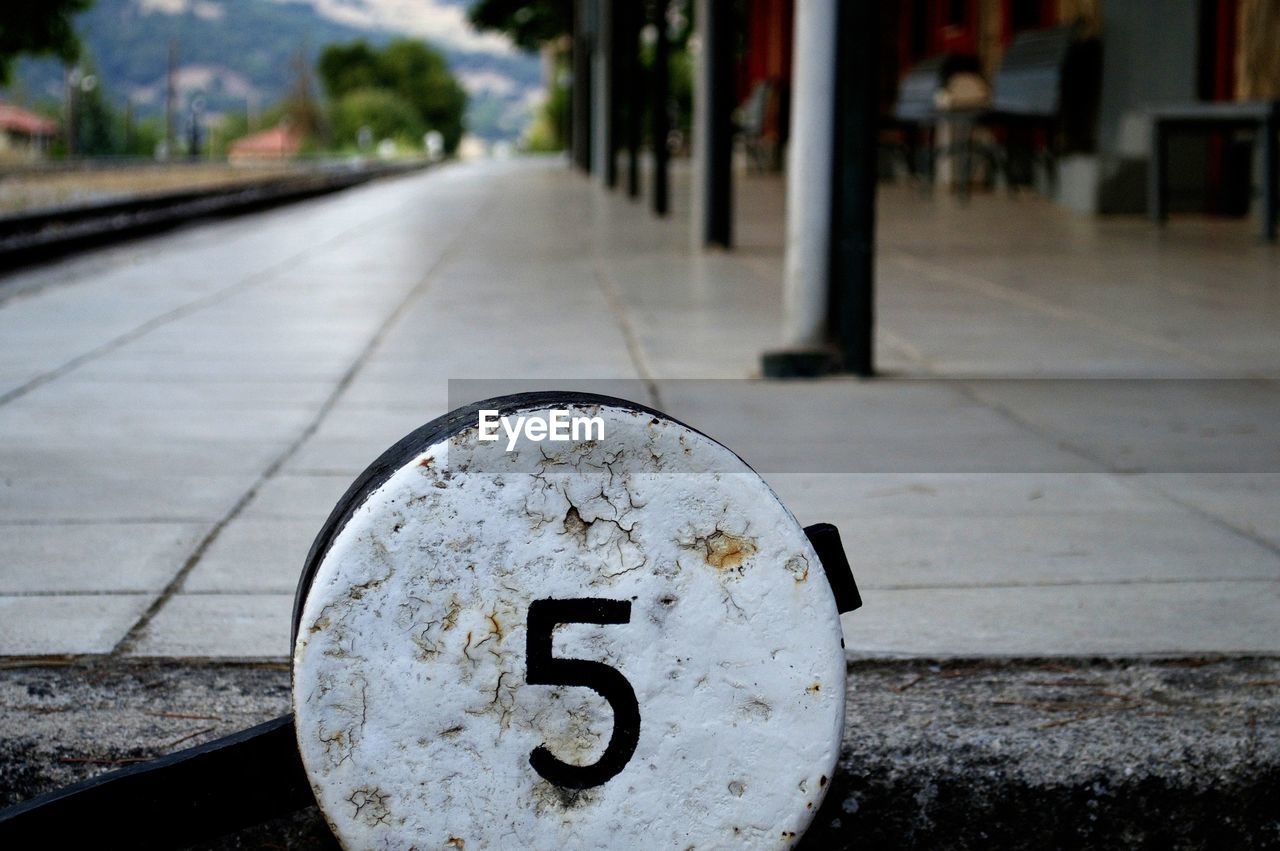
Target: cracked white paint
column 413, row 716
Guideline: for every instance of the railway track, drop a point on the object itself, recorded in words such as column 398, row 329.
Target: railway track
column 42, row 235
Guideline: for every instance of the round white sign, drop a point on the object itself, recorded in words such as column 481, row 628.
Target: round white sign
column 620, row 638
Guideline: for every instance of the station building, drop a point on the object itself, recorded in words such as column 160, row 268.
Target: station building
column 1059, row 97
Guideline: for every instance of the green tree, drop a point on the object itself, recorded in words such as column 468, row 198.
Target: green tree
column 226, row 129
column 97, row 127
column 420, row 75
column 387, row 115
column 535, row 26
column 546, row 131
column 530, row 25
column 344, row 68
column 140, row 138
column 38, row 26
column 411, row 71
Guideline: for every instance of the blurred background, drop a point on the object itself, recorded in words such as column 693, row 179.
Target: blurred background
column 202, row 81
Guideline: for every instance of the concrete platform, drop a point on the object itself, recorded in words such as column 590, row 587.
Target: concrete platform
column 1020, row 754
column 178, row 414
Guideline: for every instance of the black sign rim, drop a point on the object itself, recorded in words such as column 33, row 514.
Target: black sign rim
column 439, row 430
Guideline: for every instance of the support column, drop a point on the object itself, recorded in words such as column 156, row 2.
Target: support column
column 1270, row 172
column 660, row 128
column 580, row 94
column 713, row 124
column 831, row 181
column 629, row 22
column 621, row 47
column 602, row 81
column 853, row 214
column 809, row 174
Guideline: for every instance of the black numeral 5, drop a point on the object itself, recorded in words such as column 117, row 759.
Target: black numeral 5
column 544, row 669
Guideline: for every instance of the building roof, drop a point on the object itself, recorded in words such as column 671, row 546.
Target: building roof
column 276, row 142
column 18, row 120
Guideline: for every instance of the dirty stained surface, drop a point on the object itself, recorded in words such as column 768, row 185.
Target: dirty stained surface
column 415, row 717
column 963, row 753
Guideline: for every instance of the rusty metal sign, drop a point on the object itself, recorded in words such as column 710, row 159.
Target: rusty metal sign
column 622, row 641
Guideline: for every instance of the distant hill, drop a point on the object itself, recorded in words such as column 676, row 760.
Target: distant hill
column 238, row 53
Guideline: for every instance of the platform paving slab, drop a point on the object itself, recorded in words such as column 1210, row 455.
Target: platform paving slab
column 80, row 558
column 1172, row 546
column 118, row 495
column 64, row 624
column 1243, row 501
column 288, row 496
column 1069, row 619
column 220, row 626
column 253, row 555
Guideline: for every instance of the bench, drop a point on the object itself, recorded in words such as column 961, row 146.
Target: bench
column 1263, row 117
column 1027, row 98
column 916, row 108
column 1029, row 82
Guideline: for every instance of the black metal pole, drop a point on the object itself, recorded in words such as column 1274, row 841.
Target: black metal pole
column 171, row 102
column 568, row 116
column 581, row 91
column 609, row 29
column 717, row 52
column 661, row 119
column 630, row 27
column 853, row 209
column 1270, row 167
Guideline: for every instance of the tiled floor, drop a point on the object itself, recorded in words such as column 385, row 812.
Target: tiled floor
column 178, row 414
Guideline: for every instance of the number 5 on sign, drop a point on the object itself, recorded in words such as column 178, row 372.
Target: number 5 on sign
column 544, row 669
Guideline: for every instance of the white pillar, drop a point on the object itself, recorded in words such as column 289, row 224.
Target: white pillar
column 809, row 155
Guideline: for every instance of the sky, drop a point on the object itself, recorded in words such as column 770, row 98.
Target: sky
column 434, row 19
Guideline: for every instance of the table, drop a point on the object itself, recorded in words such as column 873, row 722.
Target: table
column 1264, row 116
